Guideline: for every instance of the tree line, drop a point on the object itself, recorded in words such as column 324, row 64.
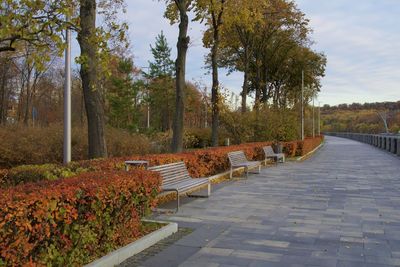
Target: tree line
column 378, row 117
column 391, row 106
column 267, row 40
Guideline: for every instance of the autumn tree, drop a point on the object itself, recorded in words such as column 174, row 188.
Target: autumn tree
column 177, row 10
column 237, row 40
column 89, row 74
column 41, row 24
column 212, row 12
column 38, row 24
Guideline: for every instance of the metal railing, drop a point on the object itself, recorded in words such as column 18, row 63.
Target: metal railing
column 388, row 142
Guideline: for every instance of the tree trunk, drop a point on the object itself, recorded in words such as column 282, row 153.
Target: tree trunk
column 93, row 100
column 180, row 64
column 28, row 98
column 257, row 101
column 4, row 95
column 264, row 82
column 245, row 88
column 215, row 88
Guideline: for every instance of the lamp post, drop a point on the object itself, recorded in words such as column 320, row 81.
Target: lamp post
column 319, row 118
column 67, row 98
column 313, row 117
column 302, row 105
column 148, row 96
column 205, row 108
column 148, row 105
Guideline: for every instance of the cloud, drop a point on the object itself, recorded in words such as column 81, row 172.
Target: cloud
column 146, row 22
column 360, row 38
column 361, row 41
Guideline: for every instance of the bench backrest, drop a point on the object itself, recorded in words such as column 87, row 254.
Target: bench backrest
column 268, row 151
column 237, row 157
column 172, row 173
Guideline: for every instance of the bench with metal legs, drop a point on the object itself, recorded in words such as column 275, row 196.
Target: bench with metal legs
column 238, row 159
column 176, row 178
column 270, row 154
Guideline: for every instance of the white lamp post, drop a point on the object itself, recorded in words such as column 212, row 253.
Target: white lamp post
column 313, row 117
column 67, row 99
column 319, row 118
column 302, row 105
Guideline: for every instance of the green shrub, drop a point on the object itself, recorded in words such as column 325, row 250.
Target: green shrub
column 35, row 173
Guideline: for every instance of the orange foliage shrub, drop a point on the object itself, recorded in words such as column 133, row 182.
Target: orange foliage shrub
column 200, row 163
column 309, row 144
column 72, row 221
column 207, row 162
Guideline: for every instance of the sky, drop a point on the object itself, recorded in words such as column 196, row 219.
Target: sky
column 360, row 38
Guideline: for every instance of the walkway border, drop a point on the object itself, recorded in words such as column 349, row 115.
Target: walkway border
column 124, row 253
column 309, row 154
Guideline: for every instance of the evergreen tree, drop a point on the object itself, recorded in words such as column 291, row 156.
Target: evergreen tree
column 123, row 97
column 163, row 65
column 161, row 88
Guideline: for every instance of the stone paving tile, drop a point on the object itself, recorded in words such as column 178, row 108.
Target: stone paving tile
column 338, row 208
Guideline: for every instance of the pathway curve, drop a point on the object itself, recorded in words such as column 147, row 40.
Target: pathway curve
column 339, row 208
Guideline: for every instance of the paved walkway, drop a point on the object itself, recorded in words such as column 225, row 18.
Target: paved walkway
column 339, row 208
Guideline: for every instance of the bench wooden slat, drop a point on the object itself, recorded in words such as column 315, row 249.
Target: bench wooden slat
column 238, row 159
column 188, row 184
column 269, row 153
column 175, row 177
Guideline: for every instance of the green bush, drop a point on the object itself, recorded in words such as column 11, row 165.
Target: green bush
column 34, row 173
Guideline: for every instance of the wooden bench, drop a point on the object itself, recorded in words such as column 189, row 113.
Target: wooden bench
column 175, row 177
column 238, row 159
column 270, row 154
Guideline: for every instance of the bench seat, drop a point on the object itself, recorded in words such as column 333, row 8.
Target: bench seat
column 184, row 186
column 270, row 154
column 175, row 177
column 238, row 159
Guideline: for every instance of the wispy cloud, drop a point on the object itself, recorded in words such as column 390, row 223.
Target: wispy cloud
column 361, row 40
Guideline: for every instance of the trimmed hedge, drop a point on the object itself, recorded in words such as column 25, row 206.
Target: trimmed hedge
column 211, row 161
column 200, row 163
column 72, row 221
column 309, row 144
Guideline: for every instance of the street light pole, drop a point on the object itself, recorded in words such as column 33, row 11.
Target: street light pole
column 313, row 117
column 148, row 107
column 67, row 98
column 302, row 105
column 206, row 108
column 319, row 118
column 148, row 97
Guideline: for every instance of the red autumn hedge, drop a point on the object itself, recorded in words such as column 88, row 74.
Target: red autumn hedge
column 75, row 220
column 200, row 163
column 211, row 161
column 72, row 221
column 309, row 144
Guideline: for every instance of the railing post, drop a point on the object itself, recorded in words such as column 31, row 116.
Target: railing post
column 398, row 146
column 393, row 148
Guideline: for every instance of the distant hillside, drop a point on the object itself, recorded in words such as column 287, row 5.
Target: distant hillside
column 362, row 118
